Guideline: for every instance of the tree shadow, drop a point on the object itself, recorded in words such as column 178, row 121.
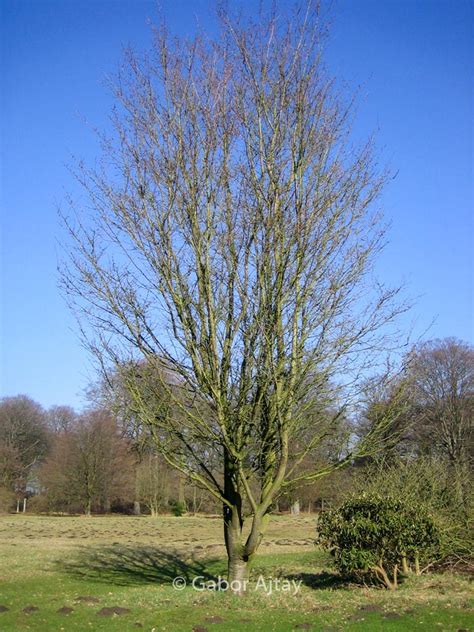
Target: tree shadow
column 133, row 565
column 320, row 581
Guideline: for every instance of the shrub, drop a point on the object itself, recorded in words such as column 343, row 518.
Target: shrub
column 374, row 537
column 7, row 500
column 429, row 483
column 178, row 508
column 38, row 504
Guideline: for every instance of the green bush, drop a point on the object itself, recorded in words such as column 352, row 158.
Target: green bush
column 178, row 508
column 374, row 538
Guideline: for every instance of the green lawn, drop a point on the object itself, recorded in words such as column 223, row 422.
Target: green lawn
column 97, row 565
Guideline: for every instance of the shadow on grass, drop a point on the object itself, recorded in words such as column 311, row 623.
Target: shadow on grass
column 131, row 565
column 321, row 581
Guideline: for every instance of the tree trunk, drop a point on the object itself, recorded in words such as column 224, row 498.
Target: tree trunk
column 405, row 567
column 88, row 508
column 417, row 565
column 237, row 560
column 181, row 494
column 136, row 503
column 194, row 499
column 384, row 577
column 239, row 552
column 233, row 522
column 237, row 573
column 295, row 508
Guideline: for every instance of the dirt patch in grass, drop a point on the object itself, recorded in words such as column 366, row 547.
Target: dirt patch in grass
column 109, row 612
column 87, row 599
column 215, row 619
column 30, row 609
column 392, row 615
column 65, row 610
column 370, row 607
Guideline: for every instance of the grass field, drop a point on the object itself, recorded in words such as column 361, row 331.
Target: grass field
column 115, row 573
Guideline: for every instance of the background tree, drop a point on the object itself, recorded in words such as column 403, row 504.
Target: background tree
column 232, row 239
column 429, row 462
column 90, row 466
column 427, row 482
column 330, row 421
column 153, row 479
column 442, row 377
column 61, row 418
column 57, row 476
column 23, row 441
column 391, row 401
column 433, row 410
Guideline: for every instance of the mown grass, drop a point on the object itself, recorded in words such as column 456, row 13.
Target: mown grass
column 89, row 565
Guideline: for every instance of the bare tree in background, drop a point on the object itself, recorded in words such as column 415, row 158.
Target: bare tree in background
column 23, row 441
column 442, row 377
column 230, row 243
column 89, row 466
column 153, row 484
column 61, row 418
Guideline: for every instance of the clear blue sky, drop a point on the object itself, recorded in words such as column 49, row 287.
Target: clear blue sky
column 414, row 62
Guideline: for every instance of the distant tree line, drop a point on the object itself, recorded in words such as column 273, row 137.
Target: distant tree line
column 103, row 460
column 57, row 460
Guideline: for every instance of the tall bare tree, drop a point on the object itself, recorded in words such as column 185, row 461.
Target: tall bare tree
column 23, row 440
column 231, row 240
column 89, row 466
column 442, row 377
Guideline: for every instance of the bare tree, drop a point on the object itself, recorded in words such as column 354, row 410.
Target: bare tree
column 442, row 377
column 61, row 418
column 392, row 402
column 153, row 482
column 231, row 241
column 90, row 466
column 58, row 475
column 23, row 440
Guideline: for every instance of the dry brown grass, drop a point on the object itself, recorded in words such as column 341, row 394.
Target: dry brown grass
column 197, row 533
